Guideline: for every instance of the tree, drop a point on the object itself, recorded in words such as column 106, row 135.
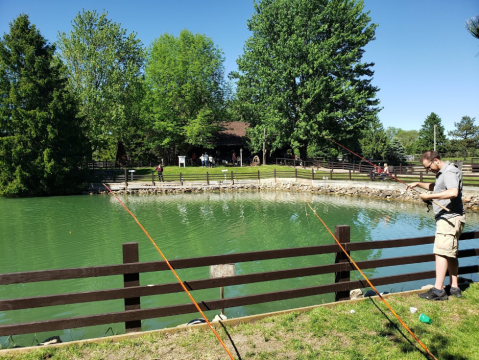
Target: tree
column 104, row 68
column 374, row 141
column 466, row 135
column 302, row 76
column 425, row 140
column 392, row 132
column 395, row 152
column 186, row 91
column 408, row 139
column 42, row 146
column 472, row 26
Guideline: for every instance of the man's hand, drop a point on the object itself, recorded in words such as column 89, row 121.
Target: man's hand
column 412, row 185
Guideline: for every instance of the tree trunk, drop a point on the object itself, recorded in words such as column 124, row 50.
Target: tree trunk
column 303, row 152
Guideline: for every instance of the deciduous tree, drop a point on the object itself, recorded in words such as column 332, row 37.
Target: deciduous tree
column 408, row 139
column 185, row 91
column 104, row 67
column 42, row 146
column 302, row 75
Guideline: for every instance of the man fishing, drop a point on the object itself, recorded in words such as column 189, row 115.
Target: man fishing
column 449, row 224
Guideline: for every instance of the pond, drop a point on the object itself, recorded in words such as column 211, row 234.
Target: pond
column 79, row 231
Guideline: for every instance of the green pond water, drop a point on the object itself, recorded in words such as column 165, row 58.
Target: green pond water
column 79, row 231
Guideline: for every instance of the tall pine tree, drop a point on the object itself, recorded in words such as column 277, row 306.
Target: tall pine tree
column 41, row 142
column 425, row 140
column 395, row 152
column 374, row 141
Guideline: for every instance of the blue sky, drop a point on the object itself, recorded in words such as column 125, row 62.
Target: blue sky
column 425, row 59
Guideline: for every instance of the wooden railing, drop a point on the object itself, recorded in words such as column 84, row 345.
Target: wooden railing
column 362, row 174
column 133, row 290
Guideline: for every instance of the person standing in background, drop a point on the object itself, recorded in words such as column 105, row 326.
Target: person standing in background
column 159, row 168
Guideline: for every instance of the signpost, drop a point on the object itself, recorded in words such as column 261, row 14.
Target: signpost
column 223, row 270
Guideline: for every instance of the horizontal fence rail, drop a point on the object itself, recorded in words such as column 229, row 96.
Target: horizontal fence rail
column 133, row 291
column 343, row 171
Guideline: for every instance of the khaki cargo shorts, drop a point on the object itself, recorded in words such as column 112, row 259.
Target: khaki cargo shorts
column 447, row 236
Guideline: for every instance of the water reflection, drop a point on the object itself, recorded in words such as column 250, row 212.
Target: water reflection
column 77, row 231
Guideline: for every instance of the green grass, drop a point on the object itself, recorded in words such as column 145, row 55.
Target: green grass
column 173, row 170
column 372, row 332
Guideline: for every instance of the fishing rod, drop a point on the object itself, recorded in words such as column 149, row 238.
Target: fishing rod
column 371, row 285
column 428, row 202
column 174, row 273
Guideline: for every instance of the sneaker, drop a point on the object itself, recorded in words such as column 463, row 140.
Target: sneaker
column 454, row 291
column 434, row 294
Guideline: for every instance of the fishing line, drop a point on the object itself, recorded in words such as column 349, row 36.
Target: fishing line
column 402, row 182
column 174, row 273
column 371, row 285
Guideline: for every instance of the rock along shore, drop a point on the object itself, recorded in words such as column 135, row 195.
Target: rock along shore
column 383, row 190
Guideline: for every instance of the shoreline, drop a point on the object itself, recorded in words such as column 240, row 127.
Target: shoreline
column 379, row 190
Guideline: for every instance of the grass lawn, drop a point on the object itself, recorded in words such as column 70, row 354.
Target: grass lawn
column 371, row 332
column 173, row 170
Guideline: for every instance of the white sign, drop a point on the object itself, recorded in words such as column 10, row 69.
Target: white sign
column 181, row 160
column 223, row 270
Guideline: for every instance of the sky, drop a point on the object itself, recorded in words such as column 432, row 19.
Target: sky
column 425, row 60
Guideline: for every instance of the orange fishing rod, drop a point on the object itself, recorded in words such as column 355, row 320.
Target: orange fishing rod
column 372, row 286
column 174, row 273
column 402, row 182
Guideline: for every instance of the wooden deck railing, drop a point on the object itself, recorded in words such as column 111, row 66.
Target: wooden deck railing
column 133, row 290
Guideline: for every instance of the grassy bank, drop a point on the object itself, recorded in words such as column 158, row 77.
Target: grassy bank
column 371, row 332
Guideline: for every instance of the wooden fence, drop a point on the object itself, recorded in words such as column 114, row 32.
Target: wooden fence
column 133, row 290
column 230, row 177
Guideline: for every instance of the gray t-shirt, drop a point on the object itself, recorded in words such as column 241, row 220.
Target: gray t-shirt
column 449, row 177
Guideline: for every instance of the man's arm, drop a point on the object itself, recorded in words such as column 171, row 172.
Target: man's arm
column 423, row 185
column 443, row 195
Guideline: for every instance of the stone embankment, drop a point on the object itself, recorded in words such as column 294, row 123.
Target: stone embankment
column 374, row 190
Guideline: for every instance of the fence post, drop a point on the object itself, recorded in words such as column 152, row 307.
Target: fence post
column 130, row 255
column 331, row 174
column 126, row 179
column 396, row 175
column 295, row 174
column 342, row 233
column 153, row 178
column 207, row 178
column 371, row 175
column 349, row 174
column 359, row 167
column 400, row 168
column 232, row 178
column 181, row 180
column 420, row 176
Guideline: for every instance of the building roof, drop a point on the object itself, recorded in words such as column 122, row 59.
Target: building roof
column 232, row 134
